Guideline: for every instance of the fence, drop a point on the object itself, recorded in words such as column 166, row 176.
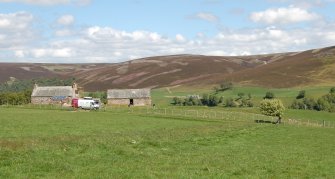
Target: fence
column 209, row 114
column 203, row 114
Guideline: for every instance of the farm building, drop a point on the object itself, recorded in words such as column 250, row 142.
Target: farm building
column 53, row 94
column 136, row 97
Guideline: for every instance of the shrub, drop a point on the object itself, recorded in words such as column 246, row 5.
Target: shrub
column 177, row 101
column 246, row 103
column 269, row 95
column 301, row 94
column 296, row 104
column 230, row 103
column 191, row 101
column 323, row 105
column 272, row 107
column 213, row 100
column 332, row 90
column 240, row 95
column 309, row 103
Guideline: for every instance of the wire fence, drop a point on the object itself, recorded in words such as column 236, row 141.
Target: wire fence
column 202, row 114
column 208, row 114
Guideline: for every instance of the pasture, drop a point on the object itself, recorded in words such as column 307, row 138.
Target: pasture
column 163, row 96
column 41, row 143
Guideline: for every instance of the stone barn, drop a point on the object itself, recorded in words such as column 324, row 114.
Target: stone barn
column 54, row 94
column 135, row 97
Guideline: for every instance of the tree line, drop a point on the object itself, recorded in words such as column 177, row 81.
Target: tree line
column 212, row 99
column 324, row 103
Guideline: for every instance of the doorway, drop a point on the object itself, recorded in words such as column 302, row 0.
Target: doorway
column 131, row 101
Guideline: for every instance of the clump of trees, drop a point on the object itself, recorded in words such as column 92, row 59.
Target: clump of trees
column 15, row 98
column 272, row 107
column 301, row 94
column 324, row 103
column 269, row 95
column 213, row 99
column 224, row 87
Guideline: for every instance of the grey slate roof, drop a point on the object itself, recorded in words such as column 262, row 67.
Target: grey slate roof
column 127, row 93
column 50, row 91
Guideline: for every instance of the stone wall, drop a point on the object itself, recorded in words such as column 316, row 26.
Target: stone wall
column 50, row 100
column 136, row 101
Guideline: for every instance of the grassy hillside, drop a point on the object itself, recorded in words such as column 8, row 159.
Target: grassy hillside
column 107, row 144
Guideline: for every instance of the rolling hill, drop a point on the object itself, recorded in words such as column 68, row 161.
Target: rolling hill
column 312, row 67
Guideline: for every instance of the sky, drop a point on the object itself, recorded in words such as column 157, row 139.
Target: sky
column 112, row 31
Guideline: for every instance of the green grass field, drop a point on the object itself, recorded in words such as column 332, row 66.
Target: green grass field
column 163, row 96
column 39, row 143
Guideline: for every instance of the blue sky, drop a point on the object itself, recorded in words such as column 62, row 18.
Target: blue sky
column 85, row 31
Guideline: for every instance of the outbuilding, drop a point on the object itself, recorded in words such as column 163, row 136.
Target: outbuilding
column 54, row 94
column 134, row 97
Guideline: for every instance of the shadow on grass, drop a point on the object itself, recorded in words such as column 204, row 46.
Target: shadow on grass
column 263, row 121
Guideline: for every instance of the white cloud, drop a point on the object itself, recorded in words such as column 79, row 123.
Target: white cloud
column 283, row 16
column 110, row 35
column 20, row 53
column 49, row 52
column 49, row 2
column 16, row 29
column 65, row 20
column 206, row 17
column 63, row 32
column 180, row 38
column 19, row 20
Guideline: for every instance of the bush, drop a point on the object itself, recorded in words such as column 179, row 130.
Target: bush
column 301, row 94
column 213, row 100
column 12, row 98
column 269, row 95
column 191, row 101
column 297, row 104
column 323, row 105
column 177, row 101
column 272, row 107
column 246, row 103
column 332, row 90
column 240, row 95
column 223, row 87
column 230, row 102
column 309, row 103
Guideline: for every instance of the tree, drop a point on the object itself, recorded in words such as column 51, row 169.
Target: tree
column 192, row 101
column 269, row 95
column 213, row 100
column 205, row 99
column 226, row 86
column 301, row 94
column 272, row 107
column 332, row 90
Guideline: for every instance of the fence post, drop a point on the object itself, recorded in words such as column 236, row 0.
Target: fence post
column 324, row 123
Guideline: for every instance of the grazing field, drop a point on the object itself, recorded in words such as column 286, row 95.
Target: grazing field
column 36, row 143
column 163, row 96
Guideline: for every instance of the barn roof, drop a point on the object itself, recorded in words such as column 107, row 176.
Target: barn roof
column 128, row 93
column 46, row 91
